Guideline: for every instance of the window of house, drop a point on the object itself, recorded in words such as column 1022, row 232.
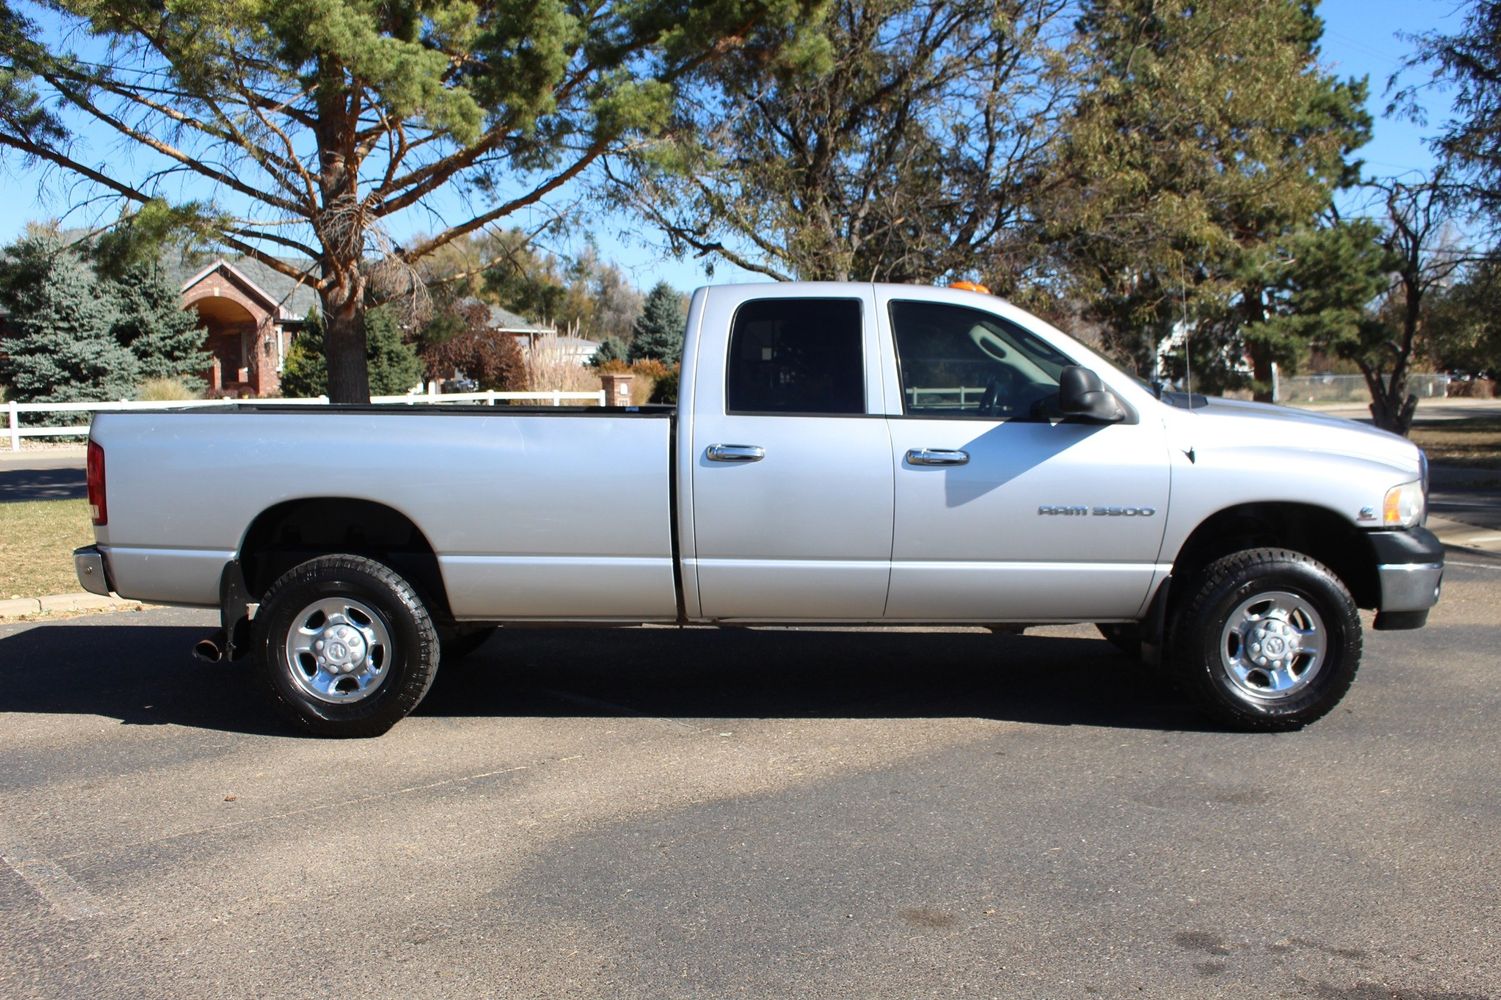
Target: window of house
column 796, row 356
column 961, row 362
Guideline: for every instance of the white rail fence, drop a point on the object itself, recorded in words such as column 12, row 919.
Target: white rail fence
column 15, row 431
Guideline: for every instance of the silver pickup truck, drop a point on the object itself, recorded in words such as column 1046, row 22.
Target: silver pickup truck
column 840, row 453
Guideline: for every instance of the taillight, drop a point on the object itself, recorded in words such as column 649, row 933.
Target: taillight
column 95, row 475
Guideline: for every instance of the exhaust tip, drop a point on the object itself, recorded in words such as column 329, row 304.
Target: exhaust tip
column 209, row 650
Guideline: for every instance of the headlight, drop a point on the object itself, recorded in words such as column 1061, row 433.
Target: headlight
column 1403, row 507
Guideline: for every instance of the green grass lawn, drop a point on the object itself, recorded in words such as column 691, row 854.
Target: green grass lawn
column 37, row 540
column 1469, row 443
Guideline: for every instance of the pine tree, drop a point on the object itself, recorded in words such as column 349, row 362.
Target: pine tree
column 659, row 329
column 304, row 372
column 63, row 347
column 394, row 365
column 612, row 348
column 1205, row 133
column 164, row 337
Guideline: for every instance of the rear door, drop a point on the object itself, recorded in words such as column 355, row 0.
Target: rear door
column 791, row 459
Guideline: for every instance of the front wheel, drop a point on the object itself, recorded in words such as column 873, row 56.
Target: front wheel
column 1269, row 640
column 346, row 646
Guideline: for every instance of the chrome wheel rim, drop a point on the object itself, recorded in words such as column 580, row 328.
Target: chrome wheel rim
column 338, row 650
column 1273, row 646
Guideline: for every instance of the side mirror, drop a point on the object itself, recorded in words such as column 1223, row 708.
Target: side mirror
column 1081, row 395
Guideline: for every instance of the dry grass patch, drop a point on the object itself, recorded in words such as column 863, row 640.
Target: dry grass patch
column 1469, row 443
column 37, row 539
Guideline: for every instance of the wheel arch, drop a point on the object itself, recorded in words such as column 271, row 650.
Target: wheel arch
column 294, row 531
column 1307, row 528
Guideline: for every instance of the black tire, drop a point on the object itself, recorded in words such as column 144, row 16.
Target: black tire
column 1269, row 639
column 458, row 641
column 1124, row 636
column 383, row 648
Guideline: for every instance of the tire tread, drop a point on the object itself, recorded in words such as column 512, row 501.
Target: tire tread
column 420, row 664
column 1214, row 582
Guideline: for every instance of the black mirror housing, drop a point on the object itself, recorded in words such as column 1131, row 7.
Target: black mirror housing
column 1082, row 396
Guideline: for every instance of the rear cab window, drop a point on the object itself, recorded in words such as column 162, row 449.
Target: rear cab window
column 796, row 356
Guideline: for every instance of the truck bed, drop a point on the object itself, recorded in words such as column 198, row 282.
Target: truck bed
column 527, row 510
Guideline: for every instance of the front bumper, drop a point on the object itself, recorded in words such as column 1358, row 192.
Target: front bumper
column 1410, row 570
column 93, row 572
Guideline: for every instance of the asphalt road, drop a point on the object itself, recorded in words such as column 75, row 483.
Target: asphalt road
column 655, row 813
column 42, row 475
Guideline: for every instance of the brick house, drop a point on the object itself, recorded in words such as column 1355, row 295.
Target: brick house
column 250, row 314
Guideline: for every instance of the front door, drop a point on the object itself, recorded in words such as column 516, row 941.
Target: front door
column 792, row 477
column 1005, row 511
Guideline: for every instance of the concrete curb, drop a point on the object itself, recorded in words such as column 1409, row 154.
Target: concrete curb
column 1456, row 534
column 64, row 604
column 1465, row 536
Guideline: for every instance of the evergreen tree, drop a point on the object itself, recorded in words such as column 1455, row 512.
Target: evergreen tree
column 304, row 371
column 1333, row 273
column 326, row 124
column 164, row 337
column 612, row 348
column 1205, row 134
column 393, row 363
column 659, row 328
column 63, row 347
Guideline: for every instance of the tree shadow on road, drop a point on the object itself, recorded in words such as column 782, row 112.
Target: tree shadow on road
column 145, row 675
column 24, row 485
column 140, row 674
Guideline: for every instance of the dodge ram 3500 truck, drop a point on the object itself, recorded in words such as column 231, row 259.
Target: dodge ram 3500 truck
column 840, row 453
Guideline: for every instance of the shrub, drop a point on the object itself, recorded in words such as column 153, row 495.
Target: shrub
column 650, row 368
column 164, row 390
column 463, row 341
column 666, row 389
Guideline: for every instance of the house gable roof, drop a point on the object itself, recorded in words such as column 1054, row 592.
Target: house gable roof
column 288, row 299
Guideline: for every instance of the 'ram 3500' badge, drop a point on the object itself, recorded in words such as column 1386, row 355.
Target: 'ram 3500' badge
column 1079, row 510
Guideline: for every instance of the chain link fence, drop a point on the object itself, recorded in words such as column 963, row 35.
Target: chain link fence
column 1301, row 389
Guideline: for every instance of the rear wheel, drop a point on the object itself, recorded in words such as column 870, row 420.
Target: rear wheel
column 346, row 646
column 1270, row 639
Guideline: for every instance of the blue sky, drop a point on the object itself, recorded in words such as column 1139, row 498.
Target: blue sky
column 1362, row 37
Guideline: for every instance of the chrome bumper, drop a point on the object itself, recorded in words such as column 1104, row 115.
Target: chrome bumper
column 1410, row 586
column 88, row 563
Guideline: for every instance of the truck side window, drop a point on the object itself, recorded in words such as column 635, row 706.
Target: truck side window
column 962, row 362
column 796, row 356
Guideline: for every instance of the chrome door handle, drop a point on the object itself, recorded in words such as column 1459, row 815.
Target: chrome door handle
column 735, row 453
column 937, row 456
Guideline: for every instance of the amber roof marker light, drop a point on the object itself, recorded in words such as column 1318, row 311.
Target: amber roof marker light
column 969, row 286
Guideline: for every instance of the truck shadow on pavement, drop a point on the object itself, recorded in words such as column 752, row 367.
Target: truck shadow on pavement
column 711, row 674
column 145, row 675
